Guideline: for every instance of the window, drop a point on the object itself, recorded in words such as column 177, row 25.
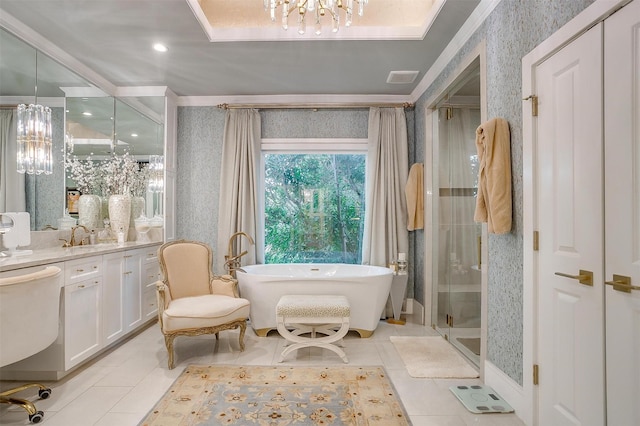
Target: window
column 314, row 204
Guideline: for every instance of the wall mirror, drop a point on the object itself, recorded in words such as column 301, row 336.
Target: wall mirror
column 97, row 124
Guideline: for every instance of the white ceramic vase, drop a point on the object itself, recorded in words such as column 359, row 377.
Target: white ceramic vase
column 90, row 211
column 120, row 214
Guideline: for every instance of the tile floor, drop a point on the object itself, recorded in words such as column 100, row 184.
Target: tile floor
column 121, row 386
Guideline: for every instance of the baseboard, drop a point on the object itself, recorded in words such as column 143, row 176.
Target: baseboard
column 413, row 307
column 506, row 387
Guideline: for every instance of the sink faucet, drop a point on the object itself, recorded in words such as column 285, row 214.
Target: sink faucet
column 72, row 242
column 231, row 260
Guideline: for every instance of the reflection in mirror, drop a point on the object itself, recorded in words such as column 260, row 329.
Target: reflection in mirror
column 28, row 76
column 106, row 131
column 109, row 143
column 139, row 125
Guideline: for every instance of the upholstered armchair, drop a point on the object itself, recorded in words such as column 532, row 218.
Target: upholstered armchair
column 191, row 300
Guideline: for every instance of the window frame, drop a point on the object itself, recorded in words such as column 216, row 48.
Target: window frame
column 300, row 146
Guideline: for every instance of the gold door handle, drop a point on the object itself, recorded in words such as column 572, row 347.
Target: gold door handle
column 622, row 283
column 584, row 277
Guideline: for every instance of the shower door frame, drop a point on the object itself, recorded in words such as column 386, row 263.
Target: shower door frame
column 432, row 194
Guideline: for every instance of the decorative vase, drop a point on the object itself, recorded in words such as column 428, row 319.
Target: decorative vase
column 137, row 209
column 90, row 211
column 120, row 214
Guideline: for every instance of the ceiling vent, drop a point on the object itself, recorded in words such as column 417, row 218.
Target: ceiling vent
column 402, row 77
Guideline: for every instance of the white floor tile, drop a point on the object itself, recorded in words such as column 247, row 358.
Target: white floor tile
column 122, row 386
column 88, row 408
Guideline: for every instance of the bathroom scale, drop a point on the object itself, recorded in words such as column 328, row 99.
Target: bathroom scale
column 481, row 399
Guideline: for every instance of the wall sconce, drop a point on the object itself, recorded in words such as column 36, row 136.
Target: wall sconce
column 34, row 140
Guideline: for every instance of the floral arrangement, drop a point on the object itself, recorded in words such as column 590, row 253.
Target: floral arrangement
column 85, row 173
column 119, row 174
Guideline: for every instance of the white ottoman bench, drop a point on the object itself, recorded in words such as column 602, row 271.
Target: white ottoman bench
column 313, row 314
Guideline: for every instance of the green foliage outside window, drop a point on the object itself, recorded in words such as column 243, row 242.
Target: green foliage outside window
column 314, row 208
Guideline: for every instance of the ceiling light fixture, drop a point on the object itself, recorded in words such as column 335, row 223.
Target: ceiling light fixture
column 160, row 47
column 317, row 9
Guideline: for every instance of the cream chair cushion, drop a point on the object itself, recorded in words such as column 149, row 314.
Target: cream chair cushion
column 208, row 310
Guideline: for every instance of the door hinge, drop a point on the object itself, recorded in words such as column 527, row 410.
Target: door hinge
column 536, row 241
column 534, row 104
column 449, row 320
column 536, row 374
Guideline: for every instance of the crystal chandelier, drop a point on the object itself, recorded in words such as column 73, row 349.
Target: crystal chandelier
column 34, row 142
column 317, row 9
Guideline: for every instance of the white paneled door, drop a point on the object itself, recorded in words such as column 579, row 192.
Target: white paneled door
column 569, row 193
column 622, row 214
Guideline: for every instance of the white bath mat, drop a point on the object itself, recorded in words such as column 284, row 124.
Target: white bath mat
column 432, row 357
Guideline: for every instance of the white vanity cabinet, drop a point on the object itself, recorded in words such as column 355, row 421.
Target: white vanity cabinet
column 113, row 327
column 82, row 309
column 150, row 274
column 132, row 289
column 105, row 297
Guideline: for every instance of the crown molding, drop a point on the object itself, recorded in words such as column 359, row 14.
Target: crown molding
column 291, row 100
column 474, row 22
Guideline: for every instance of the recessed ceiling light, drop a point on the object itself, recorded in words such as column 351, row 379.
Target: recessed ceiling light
column 135, row 135
column 160, row 47
column 87, row 113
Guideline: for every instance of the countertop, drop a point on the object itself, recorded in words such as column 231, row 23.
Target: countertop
column 60, row 254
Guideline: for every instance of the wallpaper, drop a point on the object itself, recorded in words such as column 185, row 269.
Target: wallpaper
column 512, row 30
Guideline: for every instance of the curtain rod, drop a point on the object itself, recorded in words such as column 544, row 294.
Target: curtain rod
column 8, row 106
column 317, row 106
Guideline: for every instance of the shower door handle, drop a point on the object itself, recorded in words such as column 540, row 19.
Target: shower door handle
column 584, row 277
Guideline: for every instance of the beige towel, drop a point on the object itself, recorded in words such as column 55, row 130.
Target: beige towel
column 415, row 197
column 493, row 204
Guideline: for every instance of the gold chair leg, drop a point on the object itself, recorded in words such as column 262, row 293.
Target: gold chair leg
column 168, row 341
column 243, row 328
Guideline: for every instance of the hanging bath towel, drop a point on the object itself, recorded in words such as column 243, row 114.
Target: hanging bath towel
column 415, row 198
column 493, row 204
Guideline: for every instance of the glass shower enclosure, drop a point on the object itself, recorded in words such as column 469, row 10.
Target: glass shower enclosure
column 457, row 264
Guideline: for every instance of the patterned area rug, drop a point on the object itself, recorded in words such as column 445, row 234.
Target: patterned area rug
column 278, row 396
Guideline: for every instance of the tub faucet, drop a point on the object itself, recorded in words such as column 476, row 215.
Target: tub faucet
column 72, row 241
column 232, row 260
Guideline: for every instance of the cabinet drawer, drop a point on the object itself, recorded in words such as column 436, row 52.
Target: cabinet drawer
column 151, row 274
column 150, row 255
column 149, row 303
column 82, row 269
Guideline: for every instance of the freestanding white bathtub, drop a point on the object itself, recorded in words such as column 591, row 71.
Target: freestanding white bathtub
column 366, row 288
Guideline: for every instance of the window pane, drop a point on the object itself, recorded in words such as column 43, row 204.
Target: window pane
column 314, row 208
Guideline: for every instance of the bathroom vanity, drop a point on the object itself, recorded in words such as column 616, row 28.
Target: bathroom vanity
column 108, row 294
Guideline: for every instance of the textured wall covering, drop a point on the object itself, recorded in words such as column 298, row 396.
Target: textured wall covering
column 200, row 134
column 198, row 173
column 513, row 29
